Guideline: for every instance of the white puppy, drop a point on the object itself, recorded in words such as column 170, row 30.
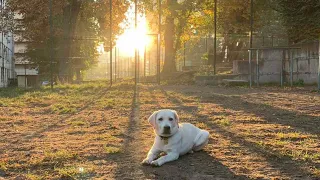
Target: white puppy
column 173, row 138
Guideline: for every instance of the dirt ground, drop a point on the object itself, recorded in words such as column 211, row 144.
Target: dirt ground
column 96, row 132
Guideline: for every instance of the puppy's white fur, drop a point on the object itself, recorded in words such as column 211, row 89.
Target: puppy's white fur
column 181, row 139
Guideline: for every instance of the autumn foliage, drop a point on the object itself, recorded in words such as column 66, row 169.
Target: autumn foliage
column 78, row 27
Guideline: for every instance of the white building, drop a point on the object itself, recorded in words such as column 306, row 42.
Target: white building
column 7, row 73
column 27, row 73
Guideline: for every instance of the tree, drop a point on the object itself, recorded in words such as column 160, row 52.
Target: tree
column 302, row 18
column 176, row 14
column 79, row 26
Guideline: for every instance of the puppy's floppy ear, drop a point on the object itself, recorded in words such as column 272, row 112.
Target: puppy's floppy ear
column 152, row 119
column 176, row 116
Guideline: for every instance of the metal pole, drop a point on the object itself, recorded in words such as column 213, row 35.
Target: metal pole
column 250, row 77
column 115, row 64
column 145, row 60
column 319, row 73
column 215, row 38
column 135, row 48
column 250, row 41
column 50, row 44
column 119, row 63
column 257, row 68
column 159, row 44
column 251, row 23
column 25, row 75
column 149, row 61
column 291, row 67
column 138, row 64
column 110, row 42
column 281, row 70
column 184, row 54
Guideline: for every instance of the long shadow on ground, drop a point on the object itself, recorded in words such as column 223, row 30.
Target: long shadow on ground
column 285, row 165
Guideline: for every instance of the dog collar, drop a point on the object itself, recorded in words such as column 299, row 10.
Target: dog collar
column 164, row 139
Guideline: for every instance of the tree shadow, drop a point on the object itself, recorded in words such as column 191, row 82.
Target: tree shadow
column 199, row 165
column 284, row 164
column 55, row 125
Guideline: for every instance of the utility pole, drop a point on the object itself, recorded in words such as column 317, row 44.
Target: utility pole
column 115, row 64
column 215, row 38
column 159, row 44
column 250, row 41
column 184, row 55
column 50, row 44
column 135, row 48
column 110, row 42
column 145, row 60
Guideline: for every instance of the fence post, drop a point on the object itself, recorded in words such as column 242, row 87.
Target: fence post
column 319, row 72
column 291, row 68
column 257, row 68
column 250, row 77
column 115, row 64
column 110, row 42
column 281, row 70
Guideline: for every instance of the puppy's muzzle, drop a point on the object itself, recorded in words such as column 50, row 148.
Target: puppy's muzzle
column 166, row 130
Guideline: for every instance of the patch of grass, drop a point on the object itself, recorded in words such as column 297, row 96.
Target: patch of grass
column 33, row 177
column 281, row 142
column 3, row 103
column 3, row 119
column 109, row 104
column 59, row 156
column 111, row 149
column 299, row 83
column 79, row 123
column 291, row 136
column 202, row 125
column 223, row 121
column 304, row 155
column 63, row 108
column 75, row 172
column 67, row 172
column 316, row 172
column 3, row 166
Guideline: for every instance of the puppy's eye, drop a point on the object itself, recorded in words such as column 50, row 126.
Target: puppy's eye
column 170, row 119
column 160, row 119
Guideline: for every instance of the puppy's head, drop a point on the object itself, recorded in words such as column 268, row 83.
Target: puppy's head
column 165, row 122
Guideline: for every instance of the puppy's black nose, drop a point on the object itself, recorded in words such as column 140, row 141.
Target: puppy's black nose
column 166, row 129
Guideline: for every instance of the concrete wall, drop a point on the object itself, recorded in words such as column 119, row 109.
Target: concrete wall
column 305, row 65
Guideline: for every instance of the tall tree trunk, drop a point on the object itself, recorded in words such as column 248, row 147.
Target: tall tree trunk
column 169, row 59
column 70, row 14
column 169, row 40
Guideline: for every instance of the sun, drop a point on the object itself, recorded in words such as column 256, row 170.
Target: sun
column 131, row 38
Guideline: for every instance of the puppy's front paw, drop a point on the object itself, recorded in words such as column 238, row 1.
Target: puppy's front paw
column 155, row 163
column 146, row 161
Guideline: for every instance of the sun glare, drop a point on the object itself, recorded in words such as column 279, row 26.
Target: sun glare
column 132, row 38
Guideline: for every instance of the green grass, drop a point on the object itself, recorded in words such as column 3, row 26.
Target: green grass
column 3, row 166
column 59, row 156
column 63, row 108
column 291, row 136
column 111, row 150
